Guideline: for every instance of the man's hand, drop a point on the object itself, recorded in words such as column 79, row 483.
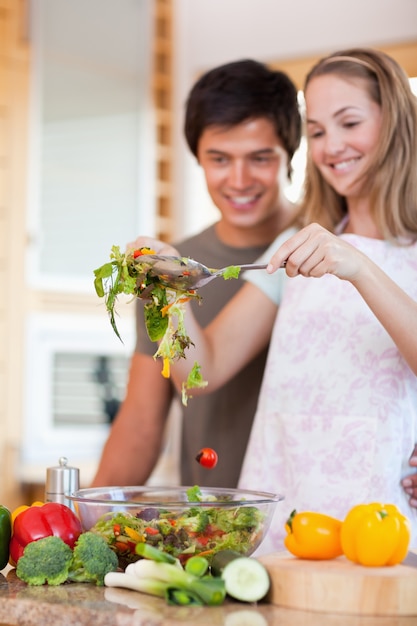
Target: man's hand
column 410, row 482
column 160, row 247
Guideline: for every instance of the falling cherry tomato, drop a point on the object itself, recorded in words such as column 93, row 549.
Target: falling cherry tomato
column 207, row 457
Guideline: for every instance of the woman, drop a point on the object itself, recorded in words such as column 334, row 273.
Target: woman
column 337, row 415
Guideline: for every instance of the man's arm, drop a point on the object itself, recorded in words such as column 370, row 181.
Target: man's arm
column 410, row 482
column 134, row 443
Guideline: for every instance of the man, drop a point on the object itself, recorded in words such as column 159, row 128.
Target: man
column 243, row 125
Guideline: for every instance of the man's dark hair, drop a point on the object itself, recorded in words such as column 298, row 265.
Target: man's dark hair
column 235, row 92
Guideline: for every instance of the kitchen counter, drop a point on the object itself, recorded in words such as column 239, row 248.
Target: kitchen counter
column 84, row 604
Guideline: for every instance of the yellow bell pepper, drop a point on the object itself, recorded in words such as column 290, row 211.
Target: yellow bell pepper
column 142, row 251
column 133, row 534
column 375, row 535
column 166, row 368
column 313, row 536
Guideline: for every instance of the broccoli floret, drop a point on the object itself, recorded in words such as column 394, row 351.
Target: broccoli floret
column 50, row 560
column 196, row 521
column 45, row 561
column 92, row 559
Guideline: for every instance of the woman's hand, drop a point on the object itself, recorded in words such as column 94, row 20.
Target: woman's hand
column 314, row 251
column 160, row 247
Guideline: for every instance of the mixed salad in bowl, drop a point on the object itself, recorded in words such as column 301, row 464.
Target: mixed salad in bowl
column 203, row 524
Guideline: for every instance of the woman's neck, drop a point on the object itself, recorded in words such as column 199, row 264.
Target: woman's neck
column 360, row 221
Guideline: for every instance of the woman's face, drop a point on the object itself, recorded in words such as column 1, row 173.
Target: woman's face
column 343, row 127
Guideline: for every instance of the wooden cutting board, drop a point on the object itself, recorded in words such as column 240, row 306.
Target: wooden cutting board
column 339, row 586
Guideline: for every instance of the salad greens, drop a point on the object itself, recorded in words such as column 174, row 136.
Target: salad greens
column 188, row 531
column 163, row 309
column 232, row 271
column 194, row 379
column 125, row 274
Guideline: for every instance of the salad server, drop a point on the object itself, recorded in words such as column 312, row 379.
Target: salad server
column 185, row 274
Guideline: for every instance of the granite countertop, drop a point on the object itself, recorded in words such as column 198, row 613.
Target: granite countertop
column 84, row 604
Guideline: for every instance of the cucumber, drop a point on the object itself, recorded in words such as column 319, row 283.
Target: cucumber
column 221, row 558
column 245, row 578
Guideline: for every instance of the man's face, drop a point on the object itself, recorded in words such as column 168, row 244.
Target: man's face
column 243, row 166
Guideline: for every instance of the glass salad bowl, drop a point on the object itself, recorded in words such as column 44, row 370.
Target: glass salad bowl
column 182, row 521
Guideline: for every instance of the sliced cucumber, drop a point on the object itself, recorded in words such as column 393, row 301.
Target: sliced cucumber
column 245, row 578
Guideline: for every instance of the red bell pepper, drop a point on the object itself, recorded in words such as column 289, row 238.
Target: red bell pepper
column 37, row 522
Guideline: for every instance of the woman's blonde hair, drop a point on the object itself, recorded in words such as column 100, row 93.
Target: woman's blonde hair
column 391, row 180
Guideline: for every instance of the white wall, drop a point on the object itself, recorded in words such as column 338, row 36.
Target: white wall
column 211, row 32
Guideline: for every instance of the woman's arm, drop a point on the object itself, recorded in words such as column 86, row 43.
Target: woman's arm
column 314, row 251
column 396, row 311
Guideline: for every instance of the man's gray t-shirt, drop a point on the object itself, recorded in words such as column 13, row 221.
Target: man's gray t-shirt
column 220, row 420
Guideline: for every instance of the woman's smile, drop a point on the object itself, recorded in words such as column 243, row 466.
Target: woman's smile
column 343, row 125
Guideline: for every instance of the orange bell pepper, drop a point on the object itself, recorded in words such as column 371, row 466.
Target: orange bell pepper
column 375, row 535
column 313, row 536
column 23, row 507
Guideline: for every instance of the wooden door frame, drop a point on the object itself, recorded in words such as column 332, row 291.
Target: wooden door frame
column 405, row 53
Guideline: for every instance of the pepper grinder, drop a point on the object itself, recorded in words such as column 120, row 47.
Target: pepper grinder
column 61, row 481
